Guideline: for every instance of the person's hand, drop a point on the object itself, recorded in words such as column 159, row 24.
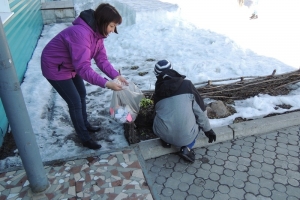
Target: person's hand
column 211, row 136
column 113, row 85
column 122, row 80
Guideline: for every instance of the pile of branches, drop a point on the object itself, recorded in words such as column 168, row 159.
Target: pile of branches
column 245, row 87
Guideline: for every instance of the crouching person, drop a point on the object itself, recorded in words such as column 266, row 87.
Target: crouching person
column 180, row 112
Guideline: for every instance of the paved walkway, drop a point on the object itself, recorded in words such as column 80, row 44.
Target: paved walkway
column 265, row 166
column 255, row 167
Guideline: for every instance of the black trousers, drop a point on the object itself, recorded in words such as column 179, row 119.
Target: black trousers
column 74, row 93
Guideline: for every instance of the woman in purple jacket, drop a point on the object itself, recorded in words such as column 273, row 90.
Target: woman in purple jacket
column 66, row 62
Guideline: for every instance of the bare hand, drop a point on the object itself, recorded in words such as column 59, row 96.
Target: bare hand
column 113, row 86
column 122, row 80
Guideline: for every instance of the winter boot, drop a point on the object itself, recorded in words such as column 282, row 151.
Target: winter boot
column 187, row 154
column 93, row 129
column 91, row 144
column 165, row 144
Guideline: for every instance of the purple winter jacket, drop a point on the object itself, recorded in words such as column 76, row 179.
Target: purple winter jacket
column 70, row 53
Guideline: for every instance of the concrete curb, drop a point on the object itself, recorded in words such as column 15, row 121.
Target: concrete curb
column 152, row 148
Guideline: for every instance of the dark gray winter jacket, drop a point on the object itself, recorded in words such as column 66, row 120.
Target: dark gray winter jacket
column 180, row 112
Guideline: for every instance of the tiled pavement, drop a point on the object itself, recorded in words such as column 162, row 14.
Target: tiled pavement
column 115, row 175
column 265, row 167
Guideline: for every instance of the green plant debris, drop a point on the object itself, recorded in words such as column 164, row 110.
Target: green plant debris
column 145, row 103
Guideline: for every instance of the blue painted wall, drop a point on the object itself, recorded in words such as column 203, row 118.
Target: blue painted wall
column 22, row 31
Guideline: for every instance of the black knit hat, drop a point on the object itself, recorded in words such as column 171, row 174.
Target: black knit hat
column 161, row 66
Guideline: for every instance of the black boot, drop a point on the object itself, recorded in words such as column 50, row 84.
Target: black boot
column 91, row 144
column 187, row 154
column 165, row 144
column 93, row 129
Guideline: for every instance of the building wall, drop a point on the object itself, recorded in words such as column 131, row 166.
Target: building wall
column 22, row 31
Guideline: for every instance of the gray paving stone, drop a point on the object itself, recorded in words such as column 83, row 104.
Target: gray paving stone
column 195, row 190
column 208, row 194
column 269, row 161
column 278, row 195
column 267, row 175
column 269, row 184
column 166, row 172
column 293, row 160
column 221, row 155
column 217, row 169
column 280, row 187
column 242, row 168
column 176, row 175
column 167, row 192
column 225, row 180
column 259, row 146
column 265, row 192
column 244, row 161
column 281, row 145
column 179, row 195
column 206, row 166
column 255, row 172
column 211, row 153
column 292, row 198
column 236, row 193
column 160, row 162
column 252, row 188
column 245, row 154
column 250, row 196
column 253, row 179
column 271, row 142
column 202, row 173
column 280, row 179
column 191, row 170
column 293, row 182
column 292, row 167
column 219, row 196
column 224, row 189
column 187, row 178
column 183, row 186
column 211, row 185
column 258, row 158
column 229, row 172
column 239, row 183
column 172, row 183
column 224, row 150
column 191, row 197
column 259, row 151
column 281, row 150
column 160, row 180
column 268, row 168
column 281, row 171
column 230, row 165
column 219, row 162
column 234, row 152
column 180, row 167
column 260, row 167
column 214, row 176
column 241, row 175
column 293, row 191
column 269, row 154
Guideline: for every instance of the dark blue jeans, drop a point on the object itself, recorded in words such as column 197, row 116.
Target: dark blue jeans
column 74, row 93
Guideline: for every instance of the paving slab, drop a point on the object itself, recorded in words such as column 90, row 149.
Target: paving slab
column 152, row 148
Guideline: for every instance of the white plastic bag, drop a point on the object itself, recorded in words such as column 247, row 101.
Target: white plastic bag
column 125, row 104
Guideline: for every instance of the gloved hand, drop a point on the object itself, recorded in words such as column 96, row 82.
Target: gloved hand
column 211, row 136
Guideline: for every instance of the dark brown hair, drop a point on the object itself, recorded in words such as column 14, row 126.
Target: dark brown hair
column 105, row 14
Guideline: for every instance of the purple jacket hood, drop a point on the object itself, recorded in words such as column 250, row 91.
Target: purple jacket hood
column 70, row 52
